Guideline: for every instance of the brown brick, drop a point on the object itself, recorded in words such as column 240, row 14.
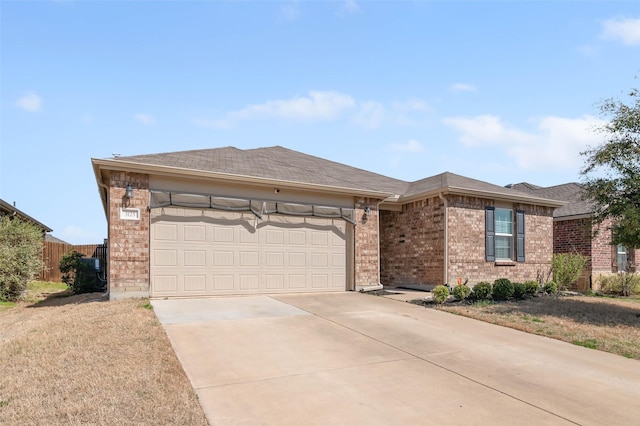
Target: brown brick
column 413, row 252
column 129, row 239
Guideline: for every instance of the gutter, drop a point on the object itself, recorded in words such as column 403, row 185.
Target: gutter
column 128, row 166
column 484, row 194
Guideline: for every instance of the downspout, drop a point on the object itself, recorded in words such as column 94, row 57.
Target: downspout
column 446, row 237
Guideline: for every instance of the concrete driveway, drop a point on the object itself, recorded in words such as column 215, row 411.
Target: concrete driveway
column 357, row 359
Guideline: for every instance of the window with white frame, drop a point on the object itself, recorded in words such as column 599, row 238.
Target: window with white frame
column 504, row 234
column 621, row 257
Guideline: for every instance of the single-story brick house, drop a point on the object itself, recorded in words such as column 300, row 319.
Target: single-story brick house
column 573, row 232
column 270, row 220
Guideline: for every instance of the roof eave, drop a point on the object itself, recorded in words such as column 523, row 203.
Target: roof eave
column 481, row 194
column 8, row 207
column 573, row 217
column 129, row 166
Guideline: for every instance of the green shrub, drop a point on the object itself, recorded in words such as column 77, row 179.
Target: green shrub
column 502, row 289
column 440, row 294
column 461, row 292
column 482, row 291
column 550, row 288
column 531, row 288
column 567, row 268
column 76, row 274
column 622, row 283
column 20, row 256
column 519, row 291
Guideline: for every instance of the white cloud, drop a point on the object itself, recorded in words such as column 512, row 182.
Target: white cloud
column 411, row 146
column 409, row 113
column 290, row 11
column 145, row 119
column 327, row 105
column 370, row 115
column 30, row 102
column 555, row 143
column 463, row 87
column 485, row 130
column 413, row 104
column 349, row 7
column 316, row 106
column 625, row 29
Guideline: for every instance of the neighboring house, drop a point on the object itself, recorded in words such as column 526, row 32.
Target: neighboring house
column 271, row 220
column 7, row 209
column 573, row 232
column 10, row 210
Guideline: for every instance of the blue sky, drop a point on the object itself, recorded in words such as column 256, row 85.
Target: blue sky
column 502, row 91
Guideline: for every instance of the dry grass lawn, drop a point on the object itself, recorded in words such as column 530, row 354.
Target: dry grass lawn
column 82, row 360
column 607, row 324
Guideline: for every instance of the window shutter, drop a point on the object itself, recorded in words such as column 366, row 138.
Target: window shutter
column 490, row 234
column 520, row 235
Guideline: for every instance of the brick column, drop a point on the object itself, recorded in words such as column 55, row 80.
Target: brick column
column 128, row 236
column 367, row 259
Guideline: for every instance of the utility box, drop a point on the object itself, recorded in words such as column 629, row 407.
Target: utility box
column 96, row 273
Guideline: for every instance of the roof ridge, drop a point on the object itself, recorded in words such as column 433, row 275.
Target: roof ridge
column 189, row 151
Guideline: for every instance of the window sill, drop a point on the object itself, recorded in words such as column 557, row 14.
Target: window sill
column 505, row 263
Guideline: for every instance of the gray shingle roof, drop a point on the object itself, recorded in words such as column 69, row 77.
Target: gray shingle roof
column 8, row 209
column 571, row 192
column 275, row 163
column 451, row 180
column 51, row 238
column 292, row 166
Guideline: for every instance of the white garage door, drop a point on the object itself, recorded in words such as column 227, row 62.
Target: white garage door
column 206, row 252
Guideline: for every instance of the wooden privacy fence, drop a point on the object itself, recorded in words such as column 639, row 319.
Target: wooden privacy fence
column 53, row 252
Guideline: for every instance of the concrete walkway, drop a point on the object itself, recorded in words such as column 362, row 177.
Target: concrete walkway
column 357, row 359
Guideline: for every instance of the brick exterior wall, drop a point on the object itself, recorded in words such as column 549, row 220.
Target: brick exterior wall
column 602, row 251
column 366, row 266
column 575, row 236
column 412, row 243
column 128, row 239
column 467, row 242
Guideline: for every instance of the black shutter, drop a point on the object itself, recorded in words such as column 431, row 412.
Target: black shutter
column 520, row 235
column 490, row 234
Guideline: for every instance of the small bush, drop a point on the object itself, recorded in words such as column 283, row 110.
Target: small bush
column 440, row 294
column 519, row 291
column 482, row 291
column 461, row 292
column 550, row 288
column 20, row 256
column 622, row 283
column 567, row 268
column 76, row 274
column 531, row 288
column 502, row 289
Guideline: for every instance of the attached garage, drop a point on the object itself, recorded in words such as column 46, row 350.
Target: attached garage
column 203, row 252
column 226, row 221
